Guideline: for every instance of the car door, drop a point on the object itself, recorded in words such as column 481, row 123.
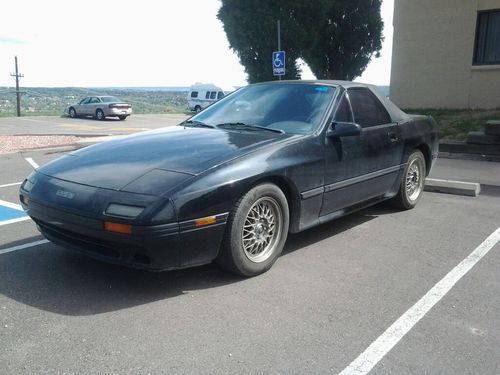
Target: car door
column 93, row 105
column 82, row 106
column 365, row 166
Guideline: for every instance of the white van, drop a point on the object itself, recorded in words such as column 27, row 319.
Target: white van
column 201, row 96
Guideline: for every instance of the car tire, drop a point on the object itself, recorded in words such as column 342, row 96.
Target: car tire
column 122, row 118
column 197, row 109
column 72, row 112
column 99, row 114
column 412, row 182
column 256, row 231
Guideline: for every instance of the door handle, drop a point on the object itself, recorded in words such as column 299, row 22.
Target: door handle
column 393, row 137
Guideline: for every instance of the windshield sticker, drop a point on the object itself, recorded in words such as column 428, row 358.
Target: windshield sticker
column 321, row 89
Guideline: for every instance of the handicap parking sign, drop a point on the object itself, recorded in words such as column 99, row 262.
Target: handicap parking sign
column 279, row 63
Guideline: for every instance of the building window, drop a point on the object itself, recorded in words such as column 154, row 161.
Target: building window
column 487, row 49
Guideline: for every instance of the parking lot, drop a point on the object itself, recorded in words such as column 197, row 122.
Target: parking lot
column 336, row 290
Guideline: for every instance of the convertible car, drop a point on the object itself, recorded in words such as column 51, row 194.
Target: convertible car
column 231, row 182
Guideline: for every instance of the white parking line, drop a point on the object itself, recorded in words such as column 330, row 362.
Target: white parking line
column 385, row 342
column 14, row 206
column 12, row 184
column 21, row 247
column 32, row 162
column 12, row 221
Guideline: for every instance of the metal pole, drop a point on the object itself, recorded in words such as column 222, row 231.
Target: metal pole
column 18, row 93
column 279, row 41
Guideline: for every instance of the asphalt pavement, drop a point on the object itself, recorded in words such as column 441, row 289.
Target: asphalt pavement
column 335, row 290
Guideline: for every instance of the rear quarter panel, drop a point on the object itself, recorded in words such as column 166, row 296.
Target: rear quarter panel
column 420, row 132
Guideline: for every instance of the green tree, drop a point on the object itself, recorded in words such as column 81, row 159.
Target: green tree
column 337, row 38
column 250, row 26
column 343, row 35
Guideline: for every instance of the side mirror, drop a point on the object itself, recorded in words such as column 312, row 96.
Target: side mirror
column 343, row 129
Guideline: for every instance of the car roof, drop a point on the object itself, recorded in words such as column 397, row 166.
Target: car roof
column 345, row 84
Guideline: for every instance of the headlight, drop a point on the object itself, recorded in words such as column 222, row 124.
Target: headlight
column 122, row 210
column 27, row 185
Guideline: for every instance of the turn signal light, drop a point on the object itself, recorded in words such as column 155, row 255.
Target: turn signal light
column 117, row 228
column 25, row 200
column 205, row 221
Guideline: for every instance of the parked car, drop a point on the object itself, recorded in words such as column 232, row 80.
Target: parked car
column 100, row 107
column 201, row 96
column 231, row 182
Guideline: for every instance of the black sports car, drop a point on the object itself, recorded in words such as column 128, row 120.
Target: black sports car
column 232, row 181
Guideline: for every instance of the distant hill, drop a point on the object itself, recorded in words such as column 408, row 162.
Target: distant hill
column 146, row 88
column 54, row 101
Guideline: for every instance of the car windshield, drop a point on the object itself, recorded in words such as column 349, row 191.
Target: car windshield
column 110, row 99
column 295, row 108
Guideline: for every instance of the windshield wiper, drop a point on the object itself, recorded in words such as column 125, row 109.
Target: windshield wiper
column 196, row 123
column 242, row 124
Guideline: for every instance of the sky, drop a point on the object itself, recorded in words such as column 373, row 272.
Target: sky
column 96, row 43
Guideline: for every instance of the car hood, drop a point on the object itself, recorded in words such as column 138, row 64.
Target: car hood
column 169, row 155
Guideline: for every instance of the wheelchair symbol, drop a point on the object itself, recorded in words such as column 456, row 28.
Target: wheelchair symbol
column 278, row 63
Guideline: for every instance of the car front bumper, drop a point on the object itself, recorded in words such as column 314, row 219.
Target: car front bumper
column 152, row 247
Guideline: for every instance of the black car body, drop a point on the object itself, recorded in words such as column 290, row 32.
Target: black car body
column 161, row 199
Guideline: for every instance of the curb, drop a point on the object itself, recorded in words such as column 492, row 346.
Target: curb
column 470, row 189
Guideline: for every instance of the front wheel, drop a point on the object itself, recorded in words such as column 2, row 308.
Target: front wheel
column 72, row 112
column 122, row 118
column 256, row 231
column 412, row 182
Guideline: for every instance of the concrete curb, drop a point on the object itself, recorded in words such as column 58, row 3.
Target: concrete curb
column 470, row 189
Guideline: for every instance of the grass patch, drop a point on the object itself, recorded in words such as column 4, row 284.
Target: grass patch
column 454, row 124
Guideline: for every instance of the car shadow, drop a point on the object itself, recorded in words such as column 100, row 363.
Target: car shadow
column 50, row 278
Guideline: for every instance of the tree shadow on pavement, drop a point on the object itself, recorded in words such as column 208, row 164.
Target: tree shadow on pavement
column 53, row 279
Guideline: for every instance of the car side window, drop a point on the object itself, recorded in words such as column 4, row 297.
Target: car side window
column 213, row 94
column 194, row 94
column 343, row 113
column 367, row 109
column 220, row 95
column 207, row 95
column 94, row 100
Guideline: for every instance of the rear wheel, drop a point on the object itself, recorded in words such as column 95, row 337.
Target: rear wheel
column 72, row 112
column 99, row 114
column 197, row 109
column 256, row 231
column 412, row 182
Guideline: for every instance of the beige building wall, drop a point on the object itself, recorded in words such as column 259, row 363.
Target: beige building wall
column 432, row 56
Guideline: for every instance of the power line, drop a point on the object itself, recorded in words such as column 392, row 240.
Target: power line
column 17, row 75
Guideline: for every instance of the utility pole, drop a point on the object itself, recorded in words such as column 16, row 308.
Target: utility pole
column 17, row 75
column 279, row 41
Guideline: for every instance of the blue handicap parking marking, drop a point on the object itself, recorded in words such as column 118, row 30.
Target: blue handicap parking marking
column 7, row 213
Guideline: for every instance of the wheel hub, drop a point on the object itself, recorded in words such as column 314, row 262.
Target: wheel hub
column 261, row 229
column 414, row 180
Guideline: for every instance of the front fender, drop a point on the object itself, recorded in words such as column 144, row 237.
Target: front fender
column 297, row 165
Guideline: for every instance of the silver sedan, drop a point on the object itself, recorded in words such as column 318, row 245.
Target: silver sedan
column 101, row 107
